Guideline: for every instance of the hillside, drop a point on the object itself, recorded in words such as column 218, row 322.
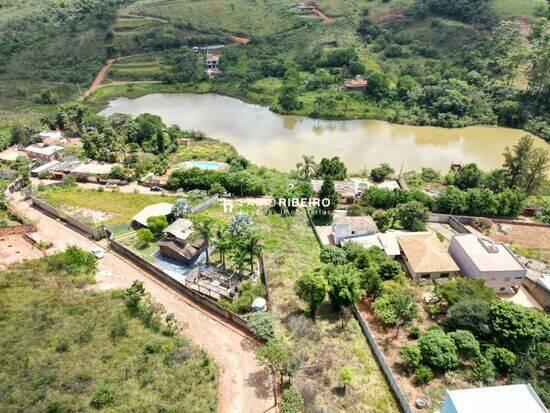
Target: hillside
column 426, row 62
column 65, row 348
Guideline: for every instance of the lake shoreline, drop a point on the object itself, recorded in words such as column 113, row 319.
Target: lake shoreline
column 100, row 101
column 278, row 141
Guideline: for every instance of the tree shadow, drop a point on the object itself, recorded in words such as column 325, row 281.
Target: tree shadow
column 262, row 382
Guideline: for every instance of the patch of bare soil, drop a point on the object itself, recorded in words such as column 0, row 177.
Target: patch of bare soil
column 16, row 248
column 524, row 236
column 241, row 39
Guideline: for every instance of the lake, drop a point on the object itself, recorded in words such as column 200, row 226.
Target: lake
column 279, row 141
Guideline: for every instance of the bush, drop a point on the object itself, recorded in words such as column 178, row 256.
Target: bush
column 119, row 328
column 423, row 375
column 503, row 359
column 438, row 350
column 261, row 325
column 104, row 396
column 333, row 255
column 157, row 224
column 144, row 236
column 462, row 289
column 485, row 371
column 471, row 315
column 466, row 343
column 411, row 356
column 414, row 332
column 381, row 173
column 291, row 401
column 73, row 261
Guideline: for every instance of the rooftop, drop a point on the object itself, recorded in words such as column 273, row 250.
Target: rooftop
column 426, row 253
column 355, row 83
column 93, row 168
column 181, row 228
column 488, row 255
column 45, row 168
column 11, row 154
column 155, row 210
column 344, row 188
column 44, row 150
column 362, row 223
column 515, row 398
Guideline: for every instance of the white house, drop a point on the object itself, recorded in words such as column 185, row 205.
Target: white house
column 345, row 227
column 515, row 398
column 483, row 258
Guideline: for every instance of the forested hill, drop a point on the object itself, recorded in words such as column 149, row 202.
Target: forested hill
column 437, row 62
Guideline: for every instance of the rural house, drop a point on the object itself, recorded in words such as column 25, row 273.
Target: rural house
column 345, row 227
column 482, row 258
column 426, row 257
column 212, row 61
column 92, row 171
column 44, row 153
column 179, row 244
column 346, row 190
column 355, row 84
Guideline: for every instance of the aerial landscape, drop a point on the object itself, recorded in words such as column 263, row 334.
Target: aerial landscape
column 275, row 206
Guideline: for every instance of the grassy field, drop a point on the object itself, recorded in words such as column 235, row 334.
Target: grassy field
column 516, row 8
column 58, row 352
column 324, row 346
column 206, row 149
column 120, row 206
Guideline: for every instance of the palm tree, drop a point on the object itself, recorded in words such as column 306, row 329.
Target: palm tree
column 253, row 246
column 307, row 167
column 240, row 257
column 204, row 228
column 223, row 243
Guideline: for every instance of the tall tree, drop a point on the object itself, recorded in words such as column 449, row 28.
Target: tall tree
column 312, row 288
column 508, row 49
column 515, row 159
column 536, row 169
column 204, row 228
column 538, row 72
column 328, row 197
column 307, row 166
column 222, row 242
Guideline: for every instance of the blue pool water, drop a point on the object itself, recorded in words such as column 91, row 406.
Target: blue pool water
column 207, row 165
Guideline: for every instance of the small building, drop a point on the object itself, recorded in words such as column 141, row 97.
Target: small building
column 179, row 244
column 513, row 398
column 426, row 257
column 44, row 153
column 155, row 210
column 307, row 8
column 10, row 154
column 385, row 241
column 92, row 171
column 356, row 84
column 49, row 134
column 42, row 169
column 212, row 61
column 483, row 258
column 347, row 190
column 345, row 227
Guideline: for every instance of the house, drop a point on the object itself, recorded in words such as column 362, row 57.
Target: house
column 42, row 169
column 344, row 227
column 426, row 257
column 482, row 258
column 513, row 398
column 307, row 8
column 92, row 171
column 44, row 153
column 385, row 241
column 49, row 134
column 10, row 154
column 212, row 61
column 356, row 84
column 179, row 244
column 155, row 210
column 346, row 190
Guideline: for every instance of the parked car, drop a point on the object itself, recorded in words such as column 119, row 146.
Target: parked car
column 156, row 188
column 111, row 185
column 98, row 253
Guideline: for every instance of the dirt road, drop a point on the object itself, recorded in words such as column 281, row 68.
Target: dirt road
column 98, row 79
column 244, row 386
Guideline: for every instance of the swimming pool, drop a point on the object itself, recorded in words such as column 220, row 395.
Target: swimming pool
column 206, row 165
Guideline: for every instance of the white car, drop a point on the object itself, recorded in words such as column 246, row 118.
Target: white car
column 111, row 185
column 98, row 253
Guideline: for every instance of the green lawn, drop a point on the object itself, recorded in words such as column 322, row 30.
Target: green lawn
column 122, row 206
column 291, row 249
column 516, row 8
column 58, row 354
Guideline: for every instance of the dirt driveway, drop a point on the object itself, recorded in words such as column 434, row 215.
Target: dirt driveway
column 244, row 386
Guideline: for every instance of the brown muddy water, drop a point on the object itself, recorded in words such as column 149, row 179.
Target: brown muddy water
column 279, row 141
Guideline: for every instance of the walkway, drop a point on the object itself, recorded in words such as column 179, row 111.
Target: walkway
column 243, row 385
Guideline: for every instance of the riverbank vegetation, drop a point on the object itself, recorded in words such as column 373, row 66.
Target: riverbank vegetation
column 65, row 347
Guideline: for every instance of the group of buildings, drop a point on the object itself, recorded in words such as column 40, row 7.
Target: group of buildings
column 350, row 190
column 425, row 257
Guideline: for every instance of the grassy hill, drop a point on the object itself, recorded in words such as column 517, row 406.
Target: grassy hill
column 64, row 348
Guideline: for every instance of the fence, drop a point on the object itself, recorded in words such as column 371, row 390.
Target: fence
column 205, row 204
column 79, row 226
column 176, row 285
column 467, row 219
column 382, row 361
column 313, row 227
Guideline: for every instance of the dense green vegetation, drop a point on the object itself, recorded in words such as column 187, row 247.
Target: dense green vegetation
column 66, row 348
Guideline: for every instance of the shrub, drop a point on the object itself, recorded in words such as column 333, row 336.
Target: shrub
column 73, row 261
column 104, row 396
column 144, row 236
column 466, row 343
column 157, row 224
column 381, row 173
column 438, row 350
column 423, row 375
column 389, row 269
column 471, row 315
column 502, row 358
column 414, row 332
column 291, row 401
column 119, row 327
column 261, row 325
column 485, row 371
column 333, row 255
column 411, row 356
column 462, row 289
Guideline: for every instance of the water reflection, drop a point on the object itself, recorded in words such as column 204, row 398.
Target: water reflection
column 279, row 141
